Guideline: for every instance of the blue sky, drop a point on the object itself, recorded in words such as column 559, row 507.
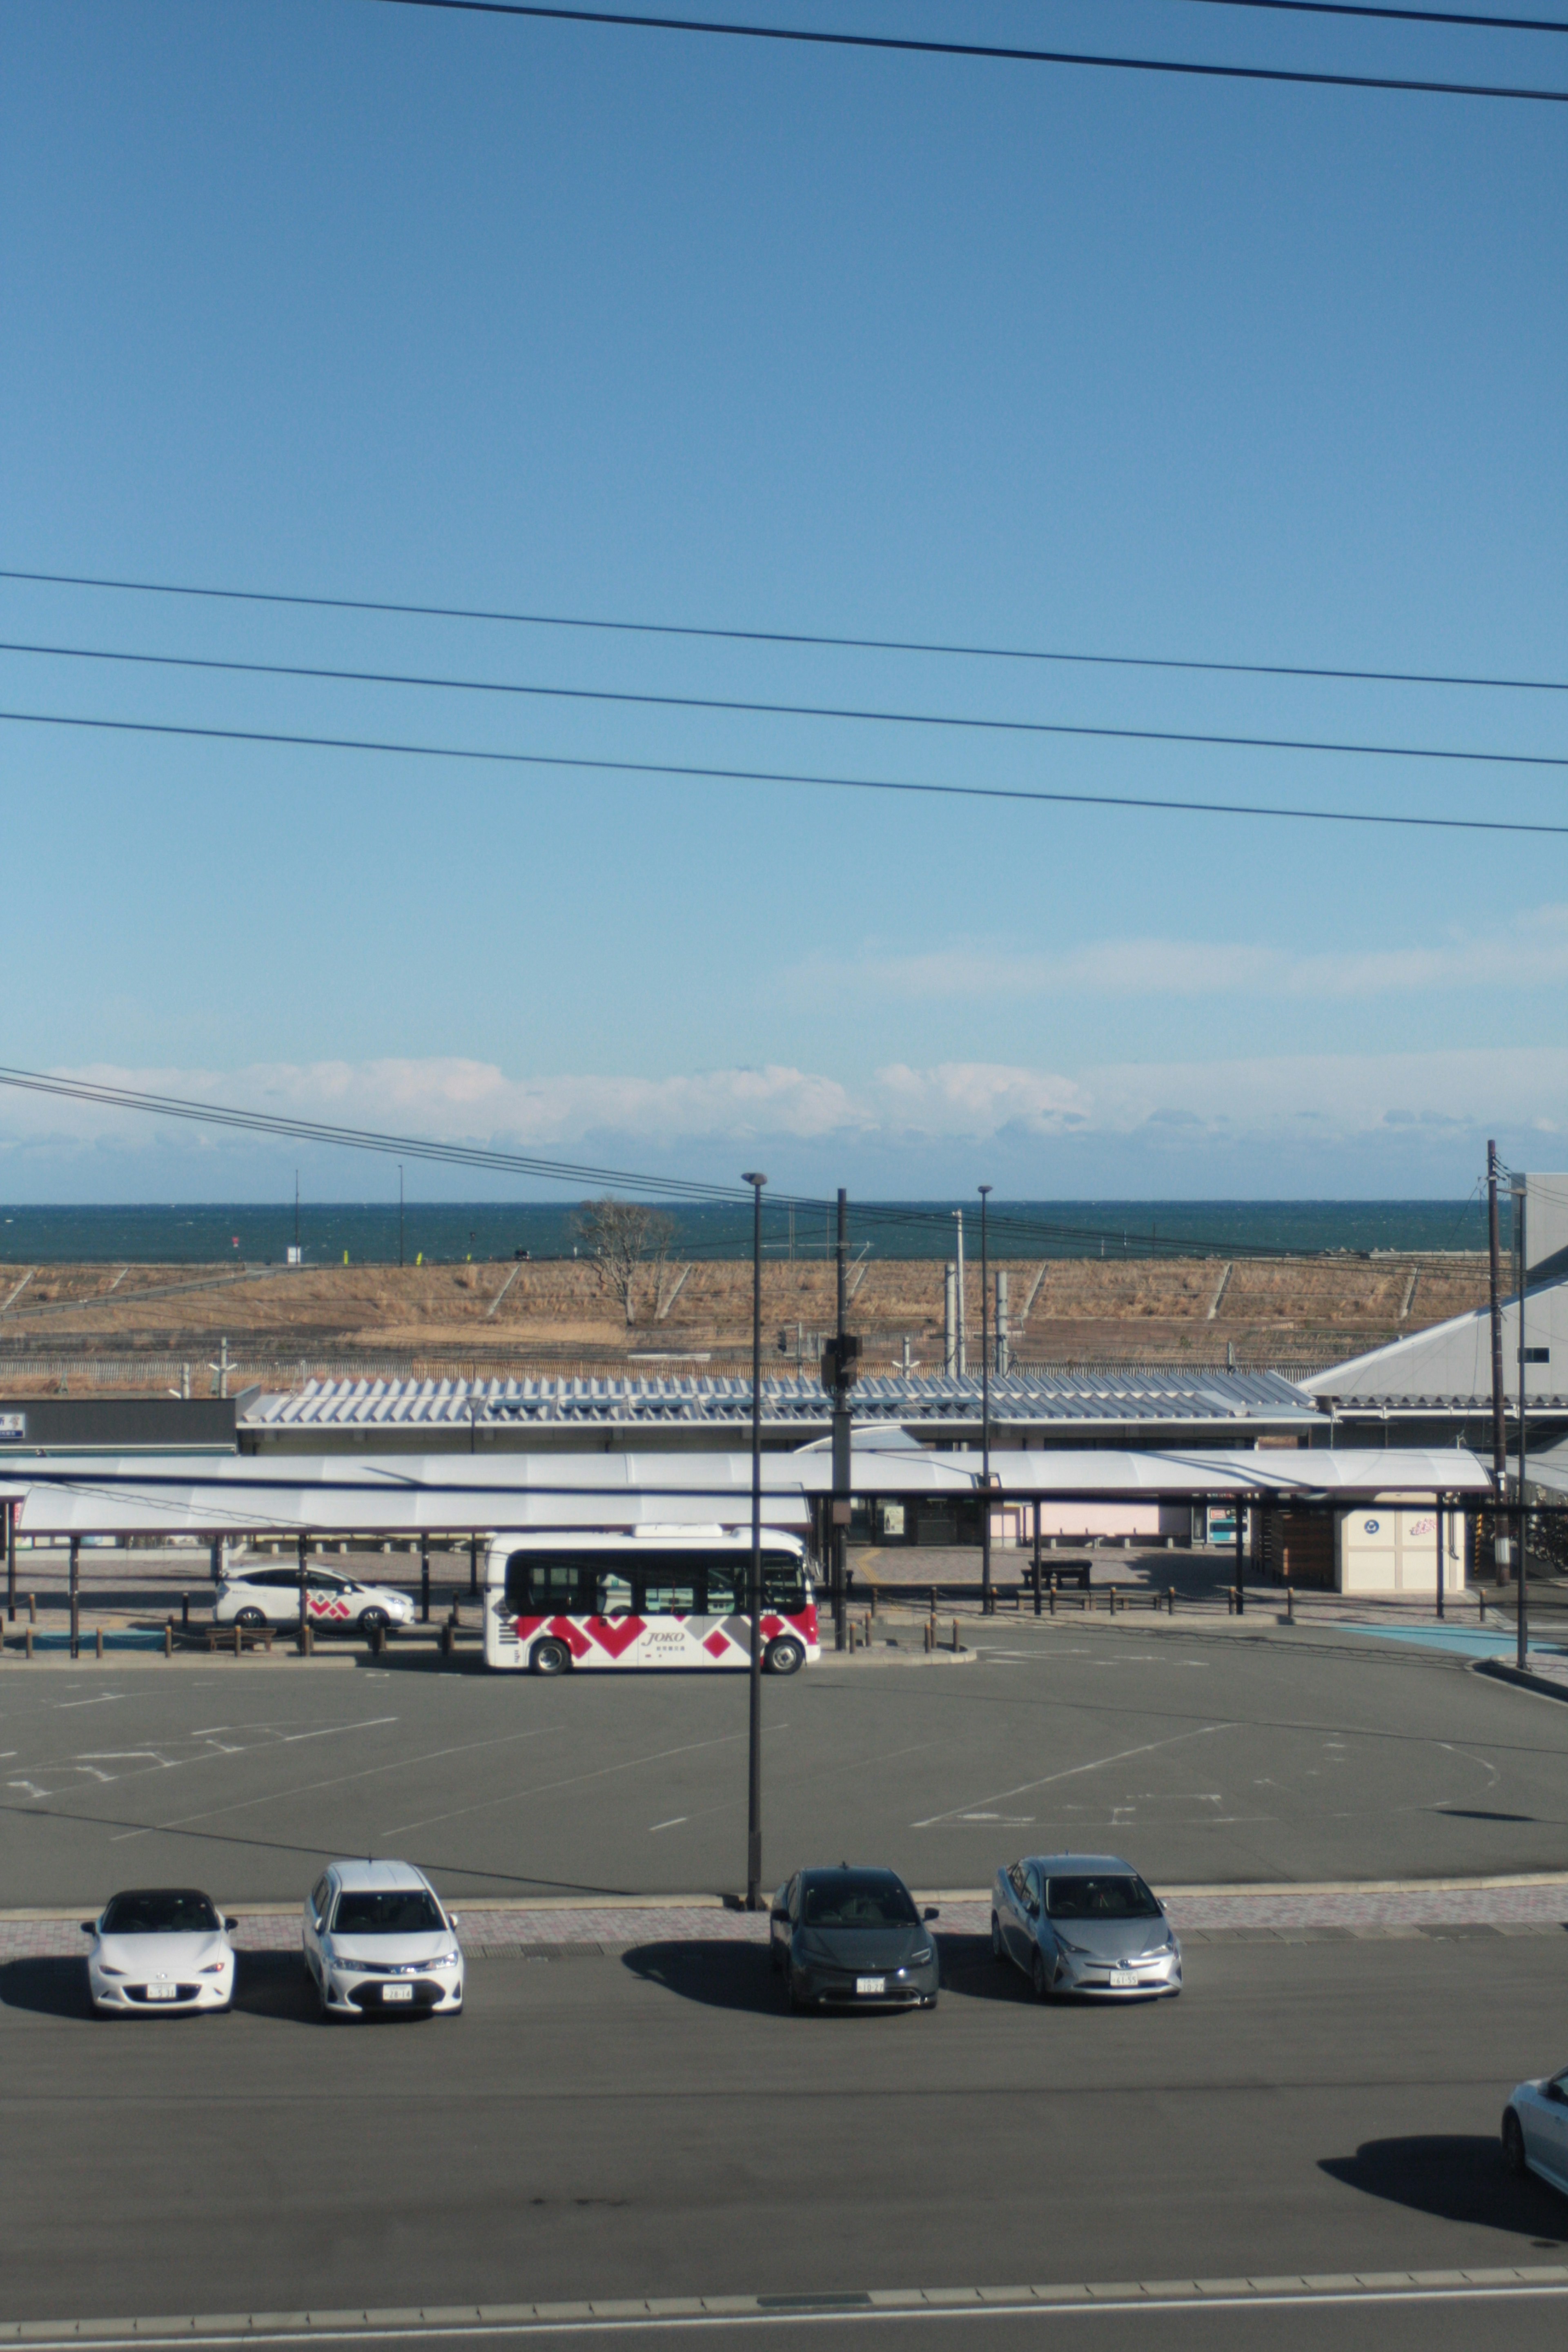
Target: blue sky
column 371, row 301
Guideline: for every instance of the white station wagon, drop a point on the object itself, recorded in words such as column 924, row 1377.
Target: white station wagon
column 335, row 1603
column 378, row 1944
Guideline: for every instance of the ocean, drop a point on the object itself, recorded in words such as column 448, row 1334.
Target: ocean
column 370, row 1233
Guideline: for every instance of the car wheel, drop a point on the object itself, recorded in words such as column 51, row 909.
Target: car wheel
column 998, row 1950
column 796, row 2006
column 784, row 1656
column 549, row 1658
column 252, row 1620
column 1040, row 1976
column 1513, row 2142
column 373, row 1620
column 929, row 2001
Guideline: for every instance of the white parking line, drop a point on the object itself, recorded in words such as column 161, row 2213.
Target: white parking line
column 1071, row 1772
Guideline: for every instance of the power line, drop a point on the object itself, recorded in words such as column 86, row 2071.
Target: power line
column 780, row 776
column 1400, row 15
column 908, row 46
column 177, row 1107
column 785, row 636
column 734, row 706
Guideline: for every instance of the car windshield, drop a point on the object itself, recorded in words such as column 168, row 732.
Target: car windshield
column 1100, row 1898
column 160, row 1911
column 850, row 1898
column 406, row 1911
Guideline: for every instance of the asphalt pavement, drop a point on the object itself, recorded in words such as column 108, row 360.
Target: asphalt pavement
column 658, row 2124
column 1230, row 1751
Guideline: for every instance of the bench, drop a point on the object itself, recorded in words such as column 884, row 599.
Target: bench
column 239, row 1638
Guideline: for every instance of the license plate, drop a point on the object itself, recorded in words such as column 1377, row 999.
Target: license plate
column 163, row 1992
column 1121, row 1977
column 398, row 1992
column 870, row 1984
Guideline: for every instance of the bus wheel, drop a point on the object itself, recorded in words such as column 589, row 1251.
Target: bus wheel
column 549, row 1658
column 784, row 1656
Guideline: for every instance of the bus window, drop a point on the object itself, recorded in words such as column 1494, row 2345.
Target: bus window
column 784, row 1583
column 664, row 1594
column 547, row 1584
column 726, row 1582
column 613, row 1596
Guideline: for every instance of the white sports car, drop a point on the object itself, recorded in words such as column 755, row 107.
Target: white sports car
column 1535, row 2129
column 335, row 1603
column 158, row 1949
column 378, row 1944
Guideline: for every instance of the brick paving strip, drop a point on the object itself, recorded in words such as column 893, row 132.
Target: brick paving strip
column 1533, row 1905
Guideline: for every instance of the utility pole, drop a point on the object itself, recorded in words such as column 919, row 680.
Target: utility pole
column 1523, row 1610
column 754, row 1596
column 962, row 1349
column 843, row 1354
column 987, row 1603
column 296, row 1216
column 400, row 1213
column 1501, row 1548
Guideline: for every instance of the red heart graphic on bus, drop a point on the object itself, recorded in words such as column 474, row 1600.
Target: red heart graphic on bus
column 616, row 1635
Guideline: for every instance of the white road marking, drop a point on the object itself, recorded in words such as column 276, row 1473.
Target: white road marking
column 310, row 1788
column 674, row 1824
column 574, row 1780
column 1072, row 1771
column 104, row 1698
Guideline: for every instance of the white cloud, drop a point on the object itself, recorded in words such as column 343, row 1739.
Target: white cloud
column 1532, row 952
column 907, row 1115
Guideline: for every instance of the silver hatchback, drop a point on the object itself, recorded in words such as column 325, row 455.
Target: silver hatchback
column 1084, row 1923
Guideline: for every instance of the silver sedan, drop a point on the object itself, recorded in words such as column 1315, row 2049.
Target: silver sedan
column 1084, row 1923
column 1535, row 2129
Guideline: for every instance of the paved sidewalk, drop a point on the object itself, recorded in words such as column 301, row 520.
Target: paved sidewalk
column 1524, row 1906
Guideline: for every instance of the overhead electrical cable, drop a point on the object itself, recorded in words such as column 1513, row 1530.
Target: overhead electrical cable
column 561, row 1172
column 817, row 638
column 1400, row 15
column 733, row 705
column 780, row 776
column 907, row 45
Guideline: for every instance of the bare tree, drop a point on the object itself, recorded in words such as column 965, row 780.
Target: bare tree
column 622, row 1238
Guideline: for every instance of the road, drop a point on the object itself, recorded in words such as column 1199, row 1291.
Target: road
column 1217, row 1754
column 656, row 2125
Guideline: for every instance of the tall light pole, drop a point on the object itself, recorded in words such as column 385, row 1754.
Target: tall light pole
column 1523, row 1569
column 1500, row 1546
column 985, row 1599
column 755, row 1775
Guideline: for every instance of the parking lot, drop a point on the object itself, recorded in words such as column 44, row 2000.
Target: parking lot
column 654, row 2123
column 1234, row 1752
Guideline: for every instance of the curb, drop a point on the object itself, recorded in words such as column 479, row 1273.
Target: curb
column 1496, row 1671
column 521, row 2318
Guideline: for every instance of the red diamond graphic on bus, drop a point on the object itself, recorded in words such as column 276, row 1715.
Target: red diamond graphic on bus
column 717, row 1644
column 616, row 1635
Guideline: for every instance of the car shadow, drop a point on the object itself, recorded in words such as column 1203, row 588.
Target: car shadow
column 722, row 1974
column 266, row 1984
column 968, row 1970
column 1456, row 2177
column 50, row 1988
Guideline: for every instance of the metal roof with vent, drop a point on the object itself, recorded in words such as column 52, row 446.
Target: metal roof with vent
column 1116, row 1394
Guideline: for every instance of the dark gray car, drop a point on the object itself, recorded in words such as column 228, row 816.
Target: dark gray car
column 1084, row 1923
column 855, row 1938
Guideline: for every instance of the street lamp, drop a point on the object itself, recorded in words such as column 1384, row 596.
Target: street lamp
column 1521, row 1613
column 754, row 1759
column 987, row 1603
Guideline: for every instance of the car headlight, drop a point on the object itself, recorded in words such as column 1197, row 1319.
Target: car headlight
column 918, row 1959
column 448, row 1961
column 105, row 1970
column 213, row 1968
column 1077, row 1951
column 806, row 1948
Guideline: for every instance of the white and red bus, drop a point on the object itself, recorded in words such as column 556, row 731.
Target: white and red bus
column 665, row 1597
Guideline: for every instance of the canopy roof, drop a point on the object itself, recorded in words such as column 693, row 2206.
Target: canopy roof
column 436, row 1493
